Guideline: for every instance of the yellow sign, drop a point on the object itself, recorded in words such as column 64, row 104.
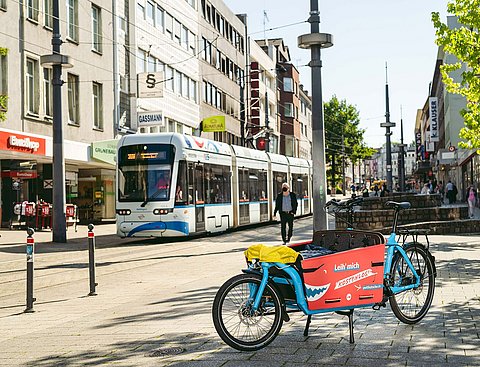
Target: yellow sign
column 213, row 124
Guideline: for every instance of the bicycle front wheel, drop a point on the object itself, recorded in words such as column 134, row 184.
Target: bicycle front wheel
column 412, row 305
column 236, row 322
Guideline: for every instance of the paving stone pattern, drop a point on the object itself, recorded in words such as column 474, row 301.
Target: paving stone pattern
column 154, row 297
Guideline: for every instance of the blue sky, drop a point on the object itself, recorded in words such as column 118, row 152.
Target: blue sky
column 366, row 35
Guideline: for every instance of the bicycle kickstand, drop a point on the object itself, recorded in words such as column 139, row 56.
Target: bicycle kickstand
column 307, row 325
column 349, row 313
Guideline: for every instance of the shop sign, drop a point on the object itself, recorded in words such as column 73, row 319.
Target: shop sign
column 105, row 151
column 21, row 143
column 418, row 144
column 150, row 85
column 433, row 108
column 20, row 174
column 151, row 118
column 213, row 124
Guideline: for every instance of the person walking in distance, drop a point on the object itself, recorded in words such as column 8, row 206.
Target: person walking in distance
column 286, row 205
column 471, row 200
column 449, row 188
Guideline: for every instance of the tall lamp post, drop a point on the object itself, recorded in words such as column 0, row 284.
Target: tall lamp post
column 388, row 124
column 316, row 41
column 56, row 60
column 401, row 161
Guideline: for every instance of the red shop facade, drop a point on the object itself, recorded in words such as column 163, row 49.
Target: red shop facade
column 23, row 169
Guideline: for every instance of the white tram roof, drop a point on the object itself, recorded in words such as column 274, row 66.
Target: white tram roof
column 298, row 162
column 277, row 158
column 257, row 155
column 185, row 141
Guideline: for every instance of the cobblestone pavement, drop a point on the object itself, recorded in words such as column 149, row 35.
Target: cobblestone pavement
column 155, row 297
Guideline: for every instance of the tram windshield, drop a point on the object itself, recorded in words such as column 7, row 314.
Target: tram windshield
column 145, row 172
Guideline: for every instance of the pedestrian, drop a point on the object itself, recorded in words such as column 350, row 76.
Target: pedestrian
column 286, row 205
column 384, row 191
column 425, row 189
column 471, row 200
column 449, row 194
column 375, row 188
column 454, row 193
column 441, row 190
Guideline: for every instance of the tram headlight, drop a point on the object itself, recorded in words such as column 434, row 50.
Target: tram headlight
column 161, row 211
column 124, row 211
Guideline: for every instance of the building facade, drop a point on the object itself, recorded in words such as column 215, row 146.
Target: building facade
column 167, row 45
column 262, row 128
column 223, row 60
column 26, row 134
column 305, row 123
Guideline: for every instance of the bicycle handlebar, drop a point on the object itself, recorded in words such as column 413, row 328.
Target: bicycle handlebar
column 345, row 204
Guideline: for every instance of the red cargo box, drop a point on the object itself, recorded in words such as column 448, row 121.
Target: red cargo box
column 345, row 279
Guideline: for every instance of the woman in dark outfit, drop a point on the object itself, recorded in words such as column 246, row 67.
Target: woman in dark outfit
column 286, row 204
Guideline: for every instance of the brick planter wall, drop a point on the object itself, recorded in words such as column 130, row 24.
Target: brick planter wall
column 425, row 212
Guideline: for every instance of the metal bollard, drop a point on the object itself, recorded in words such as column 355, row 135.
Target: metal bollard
column 91, row 259
column 30, row 252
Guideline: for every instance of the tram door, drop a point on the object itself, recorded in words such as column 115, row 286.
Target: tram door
column 199, row 184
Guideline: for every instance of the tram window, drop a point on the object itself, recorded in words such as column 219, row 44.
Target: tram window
column 254, row 187
column 227, row 184
column 305, row 192
column 279, row 179
column 190, row 183
column 217, row 189
column 297, row 185
column 199, row 185
column 144, row 172
column 243, row 185
column 263, row 185
column 182, row 184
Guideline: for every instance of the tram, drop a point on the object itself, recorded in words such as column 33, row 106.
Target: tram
column 171, row 185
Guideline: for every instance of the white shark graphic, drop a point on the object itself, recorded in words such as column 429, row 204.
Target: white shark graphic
column 315, row 292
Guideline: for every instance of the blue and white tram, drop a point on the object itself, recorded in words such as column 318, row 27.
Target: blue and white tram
column 172, row 185
column 175, row 185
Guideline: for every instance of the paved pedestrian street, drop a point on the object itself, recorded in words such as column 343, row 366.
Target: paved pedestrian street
column 154, row 300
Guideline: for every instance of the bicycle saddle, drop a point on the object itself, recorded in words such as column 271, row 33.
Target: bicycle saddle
column 402, row 205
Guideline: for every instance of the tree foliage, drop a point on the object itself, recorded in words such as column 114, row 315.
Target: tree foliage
column 343, row 137
column 464, row 44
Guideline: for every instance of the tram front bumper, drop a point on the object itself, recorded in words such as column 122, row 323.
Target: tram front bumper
column 152, row 229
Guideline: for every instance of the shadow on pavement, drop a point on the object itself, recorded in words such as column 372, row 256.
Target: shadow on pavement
column 380, row 340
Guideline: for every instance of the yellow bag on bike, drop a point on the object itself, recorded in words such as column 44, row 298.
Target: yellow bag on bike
column 273, row 254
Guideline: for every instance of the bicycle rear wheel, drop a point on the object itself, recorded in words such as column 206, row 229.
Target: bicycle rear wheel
column 235, row 321
column 412, row 305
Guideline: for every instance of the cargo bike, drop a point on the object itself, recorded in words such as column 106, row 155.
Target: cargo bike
column 338, row 271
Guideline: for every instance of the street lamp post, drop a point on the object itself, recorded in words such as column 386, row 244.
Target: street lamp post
column 388, row 124
column 316, row 41
column 401, row 163
column 56, row 60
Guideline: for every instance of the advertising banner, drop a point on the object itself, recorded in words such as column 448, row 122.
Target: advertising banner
column 214, row 124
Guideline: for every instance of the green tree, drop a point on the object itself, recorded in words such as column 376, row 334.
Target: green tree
column 464, row 44
column 343, row 137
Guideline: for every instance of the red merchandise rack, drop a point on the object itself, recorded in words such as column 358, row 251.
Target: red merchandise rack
column 71, row 214
column 44, row 216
